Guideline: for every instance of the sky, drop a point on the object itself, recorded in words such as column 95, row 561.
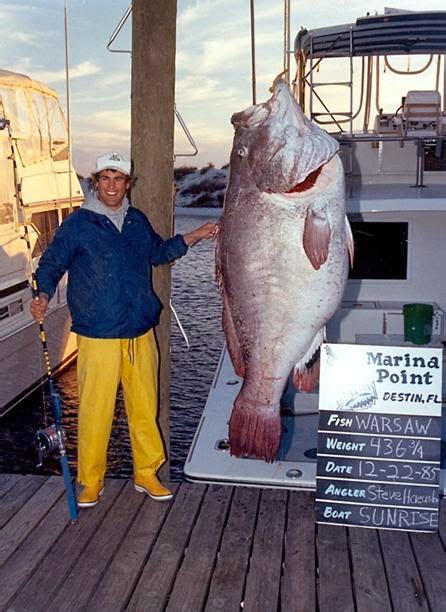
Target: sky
column 213, row 63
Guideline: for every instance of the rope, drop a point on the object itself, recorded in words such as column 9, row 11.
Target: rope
column 253, row 53
column 286, row 38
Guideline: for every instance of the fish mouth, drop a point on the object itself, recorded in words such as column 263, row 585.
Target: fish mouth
column 308, row 183
column 318, row 179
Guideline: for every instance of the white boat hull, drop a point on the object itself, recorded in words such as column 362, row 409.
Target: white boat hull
column 22, row 364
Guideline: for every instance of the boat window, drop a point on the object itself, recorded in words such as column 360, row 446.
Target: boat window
column 380, row 250
column 39, row 126
column 435, row 156
column 7, row 182
column 58, row 131
column 6, row 213
column 16, row 107
column 45, row 224
column 11, row 309
column 15, row 307
column 68, row 211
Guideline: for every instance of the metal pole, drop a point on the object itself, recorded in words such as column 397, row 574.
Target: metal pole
column 444, row 83
column 67, row 80
column 286, row 39
column 253, row 54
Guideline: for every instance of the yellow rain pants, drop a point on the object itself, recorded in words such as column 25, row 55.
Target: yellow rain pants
column 101, row 365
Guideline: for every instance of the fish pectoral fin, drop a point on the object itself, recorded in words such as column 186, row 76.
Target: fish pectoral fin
column 316, row 237
column 350, row 242
column 308, row 378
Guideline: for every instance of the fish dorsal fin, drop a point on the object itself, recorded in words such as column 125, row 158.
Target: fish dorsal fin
column 316, row 237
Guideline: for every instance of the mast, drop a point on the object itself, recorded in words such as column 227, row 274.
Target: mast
column 67, row 82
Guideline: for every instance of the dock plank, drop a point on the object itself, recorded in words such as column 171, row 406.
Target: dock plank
column 299, row 571
column 334, row 569
column 18, row 494
column 212, row 548
column 194, row 575
column 405, row 586
column 228, row 579
column 118, row 583
column 431, row 560
column 39, row 591
column 78, row 588
column 369, row 578
column 156, row 580
column 265, row 568
column 28, row 555
column 29, row 516
column 7, row 481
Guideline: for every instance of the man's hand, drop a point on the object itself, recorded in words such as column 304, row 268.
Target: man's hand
column 39, row 307
column 208, row 231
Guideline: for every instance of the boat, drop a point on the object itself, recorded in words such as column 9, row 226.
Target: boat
column 392, row 137
column 38, row 188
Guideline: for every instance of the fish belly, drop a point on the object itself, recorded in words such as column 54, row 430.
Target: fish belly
column 275, row 305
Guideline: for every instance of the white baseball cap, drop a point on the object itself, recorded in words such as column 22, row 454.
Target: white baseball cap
column 113, row 161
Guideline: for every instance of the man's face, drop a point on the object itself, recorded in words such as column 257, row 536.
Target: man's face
column 112, row 186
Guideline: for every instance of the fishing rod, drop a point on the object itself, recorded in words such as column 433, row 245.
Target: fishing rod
column 50, row 440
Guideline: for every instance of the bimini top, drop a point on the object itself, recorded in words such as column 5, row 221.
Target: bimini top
column 17, row 80
column 394, row 33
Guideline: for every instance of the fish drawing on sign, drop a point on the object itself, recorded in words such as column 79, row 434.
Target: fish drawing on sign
column 282, row 260
column 361, row 397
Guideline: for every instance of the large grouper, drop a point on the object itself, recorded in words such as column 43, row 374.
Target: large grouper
column 282, row 260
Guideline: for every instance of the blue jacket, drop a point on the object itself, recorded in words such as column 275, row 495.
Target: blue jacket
column 110, row 293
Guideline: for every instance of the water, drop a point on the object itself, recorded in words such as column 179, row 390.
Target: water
column 197, row 302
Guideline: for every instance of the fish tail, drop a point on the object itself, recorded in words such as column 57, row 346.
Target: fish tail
column 254, row 433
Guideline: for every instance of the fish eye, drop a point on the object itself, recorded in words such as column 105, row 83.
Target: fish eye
column 243, row 151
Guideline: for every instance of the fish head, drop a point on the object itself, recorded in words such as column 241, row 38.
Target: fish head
column 279, row 145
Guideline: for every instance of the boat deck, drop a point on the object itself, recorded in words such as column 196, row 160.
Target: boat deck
column 214, row 547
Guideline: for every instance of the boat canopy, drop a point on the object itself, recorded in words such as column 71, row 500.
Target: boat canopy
column 21, row 81
column 393, row 33
column 36, row 118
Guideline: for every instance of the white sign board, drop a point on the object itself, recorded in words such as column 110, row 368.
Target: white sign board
column 379, row 438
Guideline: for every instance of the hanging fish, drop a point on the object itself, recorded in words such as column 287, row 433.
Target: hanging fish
column 282, row 260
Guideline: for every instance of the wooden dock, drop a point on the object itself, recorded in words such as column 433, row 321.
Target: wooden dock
column 213, row 548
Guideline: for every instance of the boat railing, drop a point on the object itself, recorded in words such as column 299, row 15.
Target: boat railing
column 420, row 142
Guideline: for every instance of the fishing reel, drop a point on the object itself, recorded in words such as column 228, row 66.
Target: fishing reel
column 49, row 442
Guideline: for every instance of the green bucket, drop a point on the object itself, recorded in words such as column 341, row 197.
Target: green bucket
column 418, row 323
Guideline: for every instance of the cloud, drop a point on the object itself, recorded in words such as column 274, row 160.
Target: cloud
column 207, row 92
column 122, row 78
column 19, row 21
column 201, row 10
column 114, row 120
column 21, row 37
column 27, row 66
column 55, row 76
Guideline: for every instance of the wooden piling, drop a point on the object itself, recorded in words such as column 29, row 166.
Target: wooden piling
column 152, row 138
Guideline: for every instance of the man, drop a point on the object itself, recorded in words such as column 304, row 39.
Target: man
column 108, row 248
